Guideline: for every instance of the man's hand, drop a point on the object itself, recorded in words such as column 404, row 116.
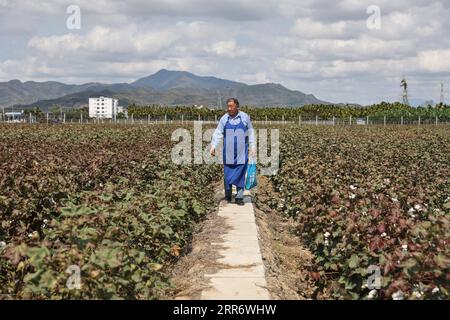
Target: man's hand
column 213, row 152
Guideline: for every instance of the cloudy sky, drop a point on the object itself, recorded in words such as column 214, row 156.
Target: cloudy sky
column 333, row 49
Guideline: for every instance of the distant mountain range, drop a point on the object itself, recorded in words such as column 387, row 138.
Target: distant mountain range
column 164, row 87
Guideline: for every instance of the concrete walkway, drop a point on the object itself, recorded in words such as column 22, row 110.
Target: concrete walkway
column 243, row 277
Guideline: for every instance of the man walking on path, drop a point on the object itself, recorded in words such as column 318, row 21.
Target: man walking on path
column 236, row 129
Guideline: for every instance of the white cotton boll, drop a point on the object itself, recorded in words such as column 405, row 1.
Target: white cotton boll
column 2, row 244
column 435, row 290
column 352, row 196
column 416, row 294
column 405, row 247
column 30, row 235
column 372, row 294
column 417, row 207
column 353, row 187
column 327, row 234
column 398, row 295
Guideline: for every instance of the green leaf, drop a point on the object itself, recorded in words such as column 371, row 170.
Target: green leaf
column 47, row 280
column 410, row 263
column 106, row 197
column 107, row 256
column 87, row 233
column 37, row 255
column 155, row 266
column 319, row 238
column 29, row 277
column 74, row 211
column 353, row 262
column 442, row 261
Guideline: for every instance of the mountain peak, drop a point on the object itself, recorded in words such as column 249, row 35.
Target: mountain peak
column 169, row 79
column 15, row 81
column 166, row 87
column 162, row 71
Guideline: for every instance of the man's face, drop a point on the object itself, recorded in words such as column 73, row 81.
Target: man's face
column 232, row 108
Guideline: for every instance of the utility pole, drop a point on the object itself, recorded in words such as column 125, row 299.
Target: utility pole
column 441, row 100
column 404, row 84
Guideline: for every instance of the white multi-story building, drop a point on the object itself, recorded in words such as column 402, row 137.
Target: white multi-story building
column 103, row 107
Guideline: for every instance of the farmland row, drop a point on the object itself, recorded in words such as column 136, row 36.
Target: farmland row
column 103, row 201
column 368, row 200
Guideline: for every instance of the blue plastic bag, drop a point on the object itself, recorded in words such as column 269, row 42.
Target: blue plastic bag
column 250, row 179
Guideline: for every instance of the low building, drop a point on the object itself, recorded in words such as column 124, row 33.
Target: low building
column 104, row 108
column 14, row 117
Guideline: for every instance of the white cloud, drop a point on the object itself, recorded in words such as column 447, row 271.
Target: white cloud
column 235, row 10
column 434, row 60
column 295, row 66
column 130, row 41
column 307, row 28
column 253, row 78
column 316, row 46
column 229, row 49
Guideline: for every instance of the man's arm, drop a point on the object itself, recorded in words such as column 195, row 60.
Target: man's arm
column 217, row 136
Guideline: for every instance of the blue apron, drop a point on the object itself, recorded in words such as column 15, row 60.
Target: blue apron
column 235, row 167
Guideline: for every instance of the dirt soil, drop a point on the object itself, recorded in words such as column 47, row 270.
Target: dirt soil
column 285, row 259
column 200, row 257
